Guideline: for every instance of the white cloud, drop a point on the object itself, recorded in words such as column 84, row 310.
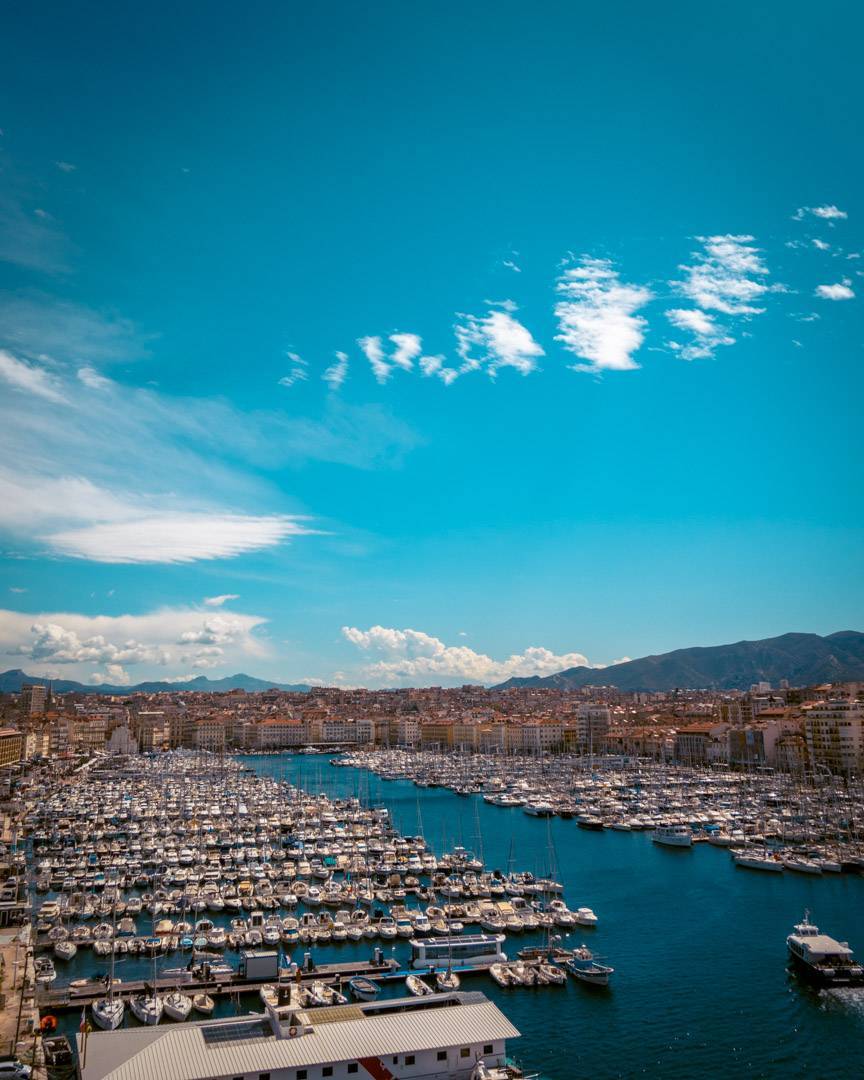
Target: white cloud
column 496, row 340
column 826, row 213
column 726, row 276
column 29, row 378
column 706, row 333
column 65, row 166
column 295, row 375
column 218, row 601
column 92, row 379
column 406, row 349
column 820, row 244
column 840, row 291
column 215, row 630
column 512, row 266
column 337, row 373
column 413, row 656
column 167, row 640
column 597, row 318
column 160, row 537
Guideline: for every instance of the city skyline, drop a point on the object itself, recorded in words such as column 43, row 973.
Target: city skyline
column 340, row 350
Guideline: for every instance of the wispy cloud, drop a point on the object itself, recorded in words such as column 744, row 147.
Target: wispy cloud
column 406, row 349
column 826, row 213
column 337, row 373
column 413, row 656
column 597, row 316
column 840, row 291
column 29, row 378
column 726, row 277
column 496, row 340
column 707, row 335
column 37, row 325
column 30, row 241
column 92, row 379
column 65, row 166
column 218, row 601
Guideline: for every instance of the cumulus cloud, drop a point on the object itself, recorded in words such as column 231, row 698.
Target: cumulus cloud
column 173, row 637
column 412, row 655
column 496, row 340
column 218, row 601
column 840, row 291
column 826, row 213
column 597, row 316
column 29, row 378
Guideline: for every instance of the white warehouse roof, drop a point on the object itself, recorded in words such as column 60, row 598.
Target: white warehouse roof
column 239, row 1045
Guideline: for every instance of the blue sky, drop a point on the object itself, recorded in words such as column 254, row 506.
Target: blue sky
column 445, row 343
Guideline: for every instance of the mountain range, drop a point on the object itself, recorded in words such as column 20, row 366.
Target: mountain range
column 11, row 681
column 803, row 659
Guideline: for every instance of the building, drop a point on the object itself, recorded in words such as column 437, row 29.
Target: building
column 834, row 731
column 592, row 722
column 11, row 746
column 34, row 698
column 437, row 1038
column 278, row 733
column 701, row 744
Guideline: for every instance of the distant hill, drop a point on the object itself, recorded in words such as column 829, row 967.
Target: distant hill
column 803, row 659
column 11, row 681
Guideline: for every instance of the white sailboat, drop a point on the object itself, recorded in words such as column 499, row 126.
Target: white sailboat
column 108, row 1012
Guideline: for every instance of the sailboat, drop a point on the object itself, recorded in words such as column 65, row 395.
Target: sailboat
column 148, row 1009
column 448, row 979
column 108, row 1012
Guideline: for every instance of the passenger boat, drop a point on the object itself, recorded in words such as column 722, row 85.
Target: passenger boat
column 821, row 958
column 466, row 950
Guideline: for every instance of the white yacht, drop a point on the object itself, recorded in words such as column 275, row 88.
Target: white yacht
column 177, row 1005
column 673, row 836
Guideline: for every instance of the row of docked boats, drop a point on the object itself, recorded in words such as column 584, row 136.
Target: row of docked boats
column 823, row 818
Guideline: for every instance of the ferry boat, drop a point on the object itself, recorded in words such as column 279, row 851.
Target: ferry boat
column 673, row 836
column 463, row 950
column 821, row 958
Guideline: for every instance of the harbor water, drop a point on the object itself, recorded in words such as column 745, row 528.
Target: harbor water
column 701, row 986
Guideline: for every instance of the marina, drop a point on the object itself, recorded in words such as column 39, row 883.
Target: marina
column 510, row 868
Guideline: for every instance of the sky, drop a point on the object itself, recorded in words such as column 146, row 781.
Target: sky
column 426, row 344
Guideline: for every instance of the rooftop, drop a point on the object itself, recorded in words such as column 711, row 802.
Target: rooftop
column 261, row 1043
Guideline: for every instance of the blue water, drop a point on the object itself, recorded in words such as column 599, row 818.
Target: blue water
column 700, row 985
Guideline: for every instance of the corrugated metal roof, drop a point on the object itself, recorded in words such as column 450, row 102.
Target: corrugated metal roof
column 179, row 1052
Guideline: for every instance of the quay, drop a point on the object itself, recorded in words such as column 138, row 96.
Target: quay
column 76, row 997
